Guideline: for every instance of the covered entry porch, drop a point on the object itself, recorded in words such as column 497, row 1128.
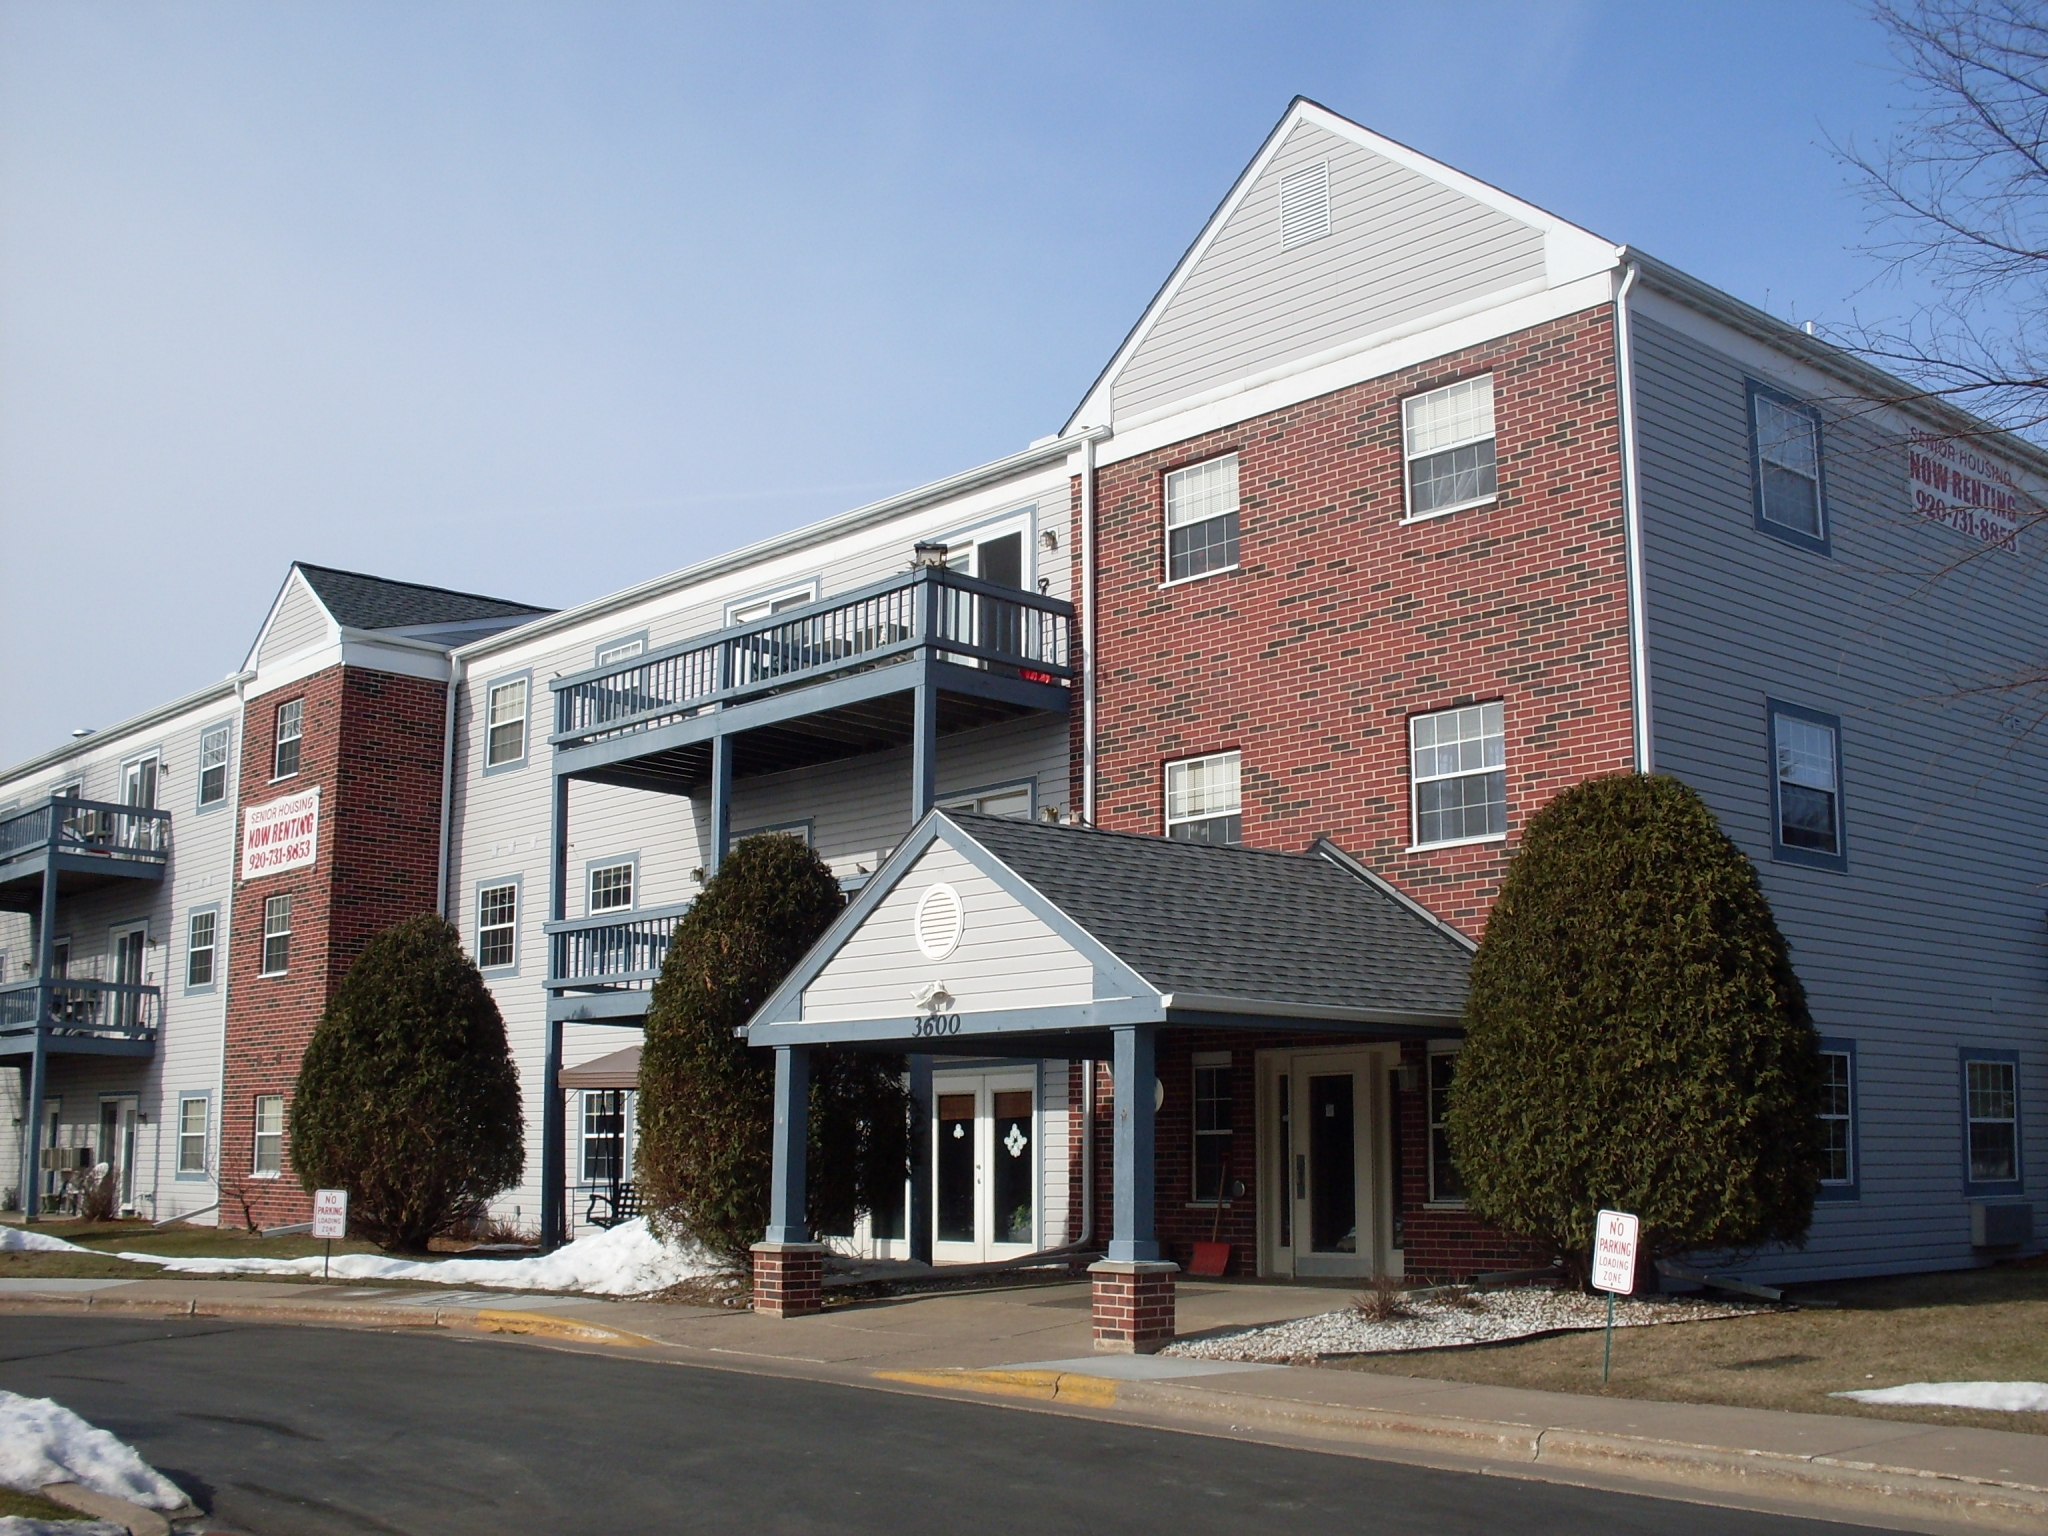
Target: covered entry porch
column 1021, row 940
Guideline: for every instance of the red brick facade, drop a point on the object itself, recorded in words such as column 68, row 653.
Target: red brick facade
column 372, row 743
column 1339, row 623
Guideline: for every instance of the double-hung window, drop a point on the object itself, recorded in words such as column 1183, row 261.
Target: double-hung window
column 1837, row 1121
column 507, row 725
column 191, row 1136
column 1806, row 786
column 1447, row 445
column 611, row 887
column 1203, row 803
column 269, row 1158
column 291, row 726
column 201, row 930
column 1213, row 1126
column 277, row 935
column 1445, row 1187
column 1459, row 758
column 604, row 1135
column 1991, row 1118
column 213, row 766
column 497, row 926
column 1785, row 463
column 1201, row 518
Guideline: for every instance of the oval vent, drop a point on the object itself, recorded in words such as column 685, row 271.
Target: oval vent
column 939, row 921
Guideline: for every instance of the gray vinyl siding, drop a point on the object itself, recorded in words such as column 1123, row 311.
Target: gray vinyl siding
column 300, row 625
column 1931, row 938
column 499, row 824
column 1401, row 246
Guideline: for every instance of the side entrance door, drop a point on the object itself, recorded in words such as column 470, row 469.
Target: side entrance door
column 984, row 1166
column 117, row 1144
column 1324, row 1157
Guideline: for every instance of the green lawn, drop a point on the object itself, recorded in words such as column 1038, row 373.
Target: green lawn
column 1973, row 1325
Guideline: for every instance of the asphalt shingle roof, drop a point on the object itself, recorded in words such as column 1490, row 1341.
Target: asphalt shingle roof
column 373, row 602
column 1237, row 922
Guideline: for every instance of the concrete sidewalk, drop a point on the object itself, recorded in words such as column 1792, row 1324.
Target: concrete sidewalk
column 1031, row 1345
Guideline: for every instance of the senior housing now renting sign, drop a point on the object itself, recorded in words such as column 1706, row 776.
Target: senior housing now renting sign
column 283, row 834
column 1957, row 486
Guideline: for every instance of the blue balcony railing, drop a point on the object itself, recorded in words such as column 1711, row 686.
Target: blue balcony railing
column 94, row 828
column 612, row 952
column 932, row 610
column 79, row 1012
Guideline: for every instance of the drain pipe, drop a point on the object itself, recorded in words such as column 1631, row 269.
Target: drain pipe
column 1088, row 643
column 1632, row 526
column 1087, row 1237
column 448, row 776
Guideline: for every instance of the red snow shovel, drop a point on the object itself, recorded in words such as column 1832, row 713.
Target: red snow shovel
column 1213, row 1258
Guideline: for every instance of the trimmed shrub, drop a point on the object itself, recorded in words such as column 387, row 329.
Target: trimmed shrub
column 1635, row 1036
column 407, row 1096
column 704, row 1156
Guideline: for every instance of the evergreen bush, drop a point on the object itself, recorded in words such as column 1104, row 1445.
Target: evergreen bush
column 407, row 1096
column 706, row 1114
column 1635, row 1036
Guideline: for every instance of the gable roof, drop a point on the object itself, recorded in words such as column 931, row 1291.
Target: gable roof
column 359, row 601
column 1223, row 921
column 1177, row 933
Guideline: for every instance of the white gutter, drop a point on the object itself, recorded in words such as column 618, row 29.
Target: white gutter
column 1088, row 636
column 455, row 671
column 1632, row 529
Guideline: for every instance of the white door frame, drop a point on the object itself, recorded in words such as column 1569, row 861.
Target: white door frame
column 985, row 1084
column 1372, row 1127
column 126, row 1117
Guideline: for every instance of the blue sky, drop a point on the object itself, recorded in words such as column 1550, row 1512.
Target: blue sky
column 543, row 300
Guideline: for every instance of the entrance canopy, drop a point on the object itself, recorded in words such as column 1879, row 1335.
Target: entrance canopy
column 1027, row 938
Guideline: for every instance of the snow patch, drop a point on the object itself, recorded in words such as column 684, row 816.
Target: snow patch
column 629, row 1260
column 42, row 1441
column 2000, row 1396
column 1438, row 1322
column 22, row 1240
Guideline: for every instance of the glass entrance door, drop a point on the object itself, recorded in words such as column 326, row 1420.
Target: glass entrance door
column 1322, row 1144
column 117, row 1146
column 985, row 1167
column 130, row 946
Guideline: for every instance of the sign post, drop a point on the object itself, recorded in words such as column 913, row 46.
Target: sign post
column 1614, row 1268
column 330, row 1220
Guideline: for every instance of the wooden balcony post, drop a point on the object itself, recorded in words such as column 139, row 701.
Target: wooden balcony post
column 721, row 803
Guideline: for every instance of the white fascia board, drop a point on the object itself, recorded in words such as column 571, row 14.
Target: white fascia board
column 1570, row 252
column 149, row 721
column 1261, row 1007
column 292, row 577
column 1371, row 358
column 369, row 650
column 610, row 607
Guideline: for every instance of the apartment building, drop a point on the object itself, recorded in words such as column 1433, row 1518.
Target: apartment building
column 1172, row 764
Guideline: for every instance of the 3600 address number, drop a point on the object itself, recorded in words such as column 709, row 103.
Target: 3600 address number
column 935, row 1024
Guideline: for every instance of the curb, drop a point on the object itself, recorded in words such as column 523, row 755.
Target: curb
column 468, row 1319
column 1837, row 1482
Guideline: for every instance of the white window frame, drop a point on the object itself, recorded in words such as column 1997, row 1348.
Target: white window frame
column 493, row 724
column 277, row 924
column 632, row 868
column 1233, row 760
column 223, row 735
column 211, row 948
column 1410, row 453
column 187, row 1168
column 297, row 739
column 1212, row 1061
column 625, row 648
column 975, row 799
column 1417, row 780
column 770, row 603
column 260, row 1166
column 585, row 1138
column 1432, row 1122
column 1174, row 479
column 509, row 927
column 1846, row 1186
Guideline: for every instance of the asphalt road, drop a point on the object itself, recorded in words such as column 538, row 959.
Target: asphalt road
column 290, row 1431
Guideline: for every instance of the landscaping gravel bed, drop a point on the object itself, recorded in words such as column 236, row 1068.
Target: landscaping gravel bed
column 1444, row 1322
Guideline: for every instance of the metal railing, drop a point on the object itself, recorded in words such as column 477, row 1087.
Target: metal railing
column 614, row 951
column 93, row 827
column 963, row 620
column 79, row 1008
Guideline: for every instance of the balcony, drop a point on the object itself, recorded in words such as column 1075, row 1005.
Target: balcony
column 81, row 845
column 929, row 651
column 79, row 1017
column 603, row 967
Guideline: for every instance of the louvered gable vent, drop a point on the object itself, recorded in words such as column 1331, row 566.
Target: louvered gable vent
column 1305, row 204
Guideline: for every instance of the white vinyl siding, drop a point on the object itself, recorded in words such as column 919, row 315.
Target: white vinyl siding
column 1204, row 799
column 1460, row 775
column 1201, row 519
column 507, row 711
column 1448, row 447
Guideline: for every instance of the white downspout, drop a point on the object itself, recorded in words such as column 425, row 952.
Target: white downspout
column 448, row 777
column 1088, row 640
column 1632, row 528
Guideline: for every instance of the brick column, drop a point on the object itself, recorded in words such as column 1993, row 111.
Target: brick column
column 789, row 1278
column 1133, row 1305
